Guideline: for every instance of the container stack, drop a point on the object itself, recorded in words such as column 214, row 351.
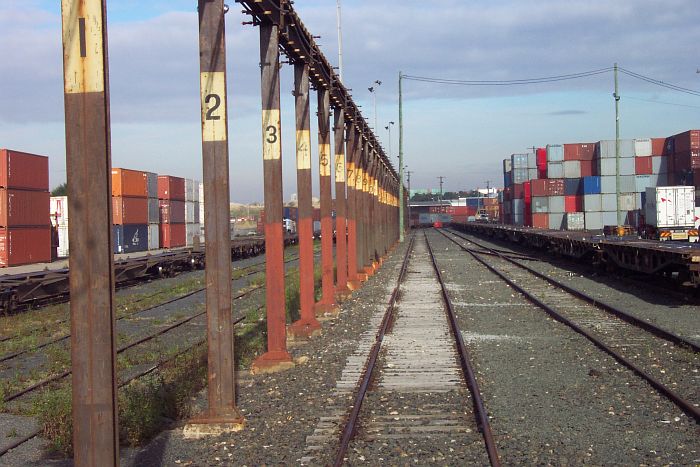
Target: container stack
column 153, row 211
column 25, row 233
column 683, row 160
column 171, row 198
column 58, row 214
column 192, row 227
column 201, row 210
column 129, row 210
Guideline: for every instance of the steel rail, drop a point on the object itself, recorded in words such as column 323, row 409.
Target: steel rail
column 123, row 383
column 467, row 369
column 130, row 315
column 366, row 378
column 631, row 319
column 683, row 404
column 123, row 348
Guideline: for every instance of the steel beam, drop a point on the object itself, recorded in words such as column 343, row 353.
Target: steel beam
column 307, row 325
column 325, row 163
column 352, row 172
column 215, row 162
column 276, row 356
column 89, row 171
column 341, row 241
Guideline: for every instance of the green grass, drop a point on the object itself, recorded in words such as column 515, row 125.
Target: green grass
column 52, row 408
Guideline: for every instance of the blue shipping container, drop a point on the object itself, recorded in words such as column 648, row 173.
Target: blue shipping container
column 473, row 202
column 130, row 238
column 573, row 186
column 591, row 185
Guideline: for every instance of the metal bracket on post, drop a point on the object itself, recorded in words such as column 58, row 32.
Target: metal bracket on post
column 89, row 167
column 222, row 415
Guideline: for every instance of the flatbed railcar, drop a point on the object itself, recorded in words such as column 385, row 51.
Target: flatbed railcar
column 680, row 261
column 39, row 287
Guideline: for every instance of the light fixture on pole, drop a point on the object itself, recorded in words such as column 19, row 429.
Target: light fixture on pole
column 373, row 90
column 388, row 127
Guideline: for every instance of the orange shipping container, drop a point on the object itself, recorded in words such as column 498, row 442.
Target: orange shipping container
column 24, row 208
column 129, row 211
column 25, row 246
column 127, row 182
column 540, row 220
column 172, row 235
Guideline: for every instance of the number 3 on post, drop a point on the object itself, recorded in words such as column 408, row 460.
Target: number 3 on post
column 271, row 134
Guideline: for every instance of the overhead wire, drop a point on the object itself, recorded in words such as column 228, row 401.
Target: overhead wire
column 657, row 82
column 511, row 82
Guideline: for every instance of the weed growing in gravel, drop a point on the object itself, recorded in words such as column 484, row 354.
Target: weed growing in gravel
column 52, row 408
column 140, row 409
column 58, row 358
column 291, row 297
column 12, row 433
column 249, row 343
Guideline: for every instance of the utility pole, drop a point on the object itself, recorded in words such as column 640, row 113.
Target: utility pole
column 340, row 41
column 401, row 223
column 408, row 177
column 441, row 178
column 616, row 95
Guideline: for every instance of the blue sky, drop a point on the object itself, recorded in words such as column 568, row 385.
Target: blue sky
column 457, row 132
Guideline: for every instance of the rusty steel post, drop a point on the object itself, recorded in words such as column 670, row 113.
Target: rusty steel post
column 327, row 303
column 360, row 187
column 89, row 169
column 307, row 325
column 215, row 162
column 353, row 163
column 371, row 214
column 276, row 356
column 341, row 241
column 366, row 204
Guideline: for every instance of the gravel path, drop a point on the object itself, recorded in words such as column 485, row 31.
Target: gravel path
column 553, row 397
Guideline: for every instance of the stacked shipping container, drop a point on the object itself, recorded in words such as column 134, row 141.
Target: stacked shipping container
column 171, row 196
column 25, row 233
column 59, row 220
column 129, row 210
column 192, row 227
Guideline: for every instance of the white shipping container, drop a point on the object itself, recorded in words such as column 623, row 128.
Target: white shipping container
column 697, row 217
column 555, row 170
column 189, row 212
column 507, row 165
column 153, row 211
column 659, row 164
column 152, row 184
column 628, row 201
column 642, row 147
column 572, row 169
column 575, row 221
column 540, row 204
column 557, row 204
column 519, row 161
column 608, row 202
column 192, row 234
column 63, row 245
column 609, row 166
column 608, row 184
column 628, row 183
column 518, row 206
column 555, row 153
column 606, row 148
column 556, row 221
column 532, row 174
column 658, row 180
column 594, row 220
column 191, row 190
column 610, row 218
column 196, row 213
column 670, row 206
column 532, row 160
column 518, row 219
column 592, row 203
column 520, row 175
column 153, row 236
column 642, row 182
column 58, row 209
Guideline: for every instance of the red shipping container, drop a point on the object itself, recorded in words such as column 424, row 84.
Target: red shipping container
column 518, row 191
column 555, row 187
column 539, row 187
column 460, row 210
column 127, row 211
column 172, row 211
column 171, row 187
column 23, row 170
column 127, row 182
column 540, row 220
column 643, row 166
column 657, row 146
column 507, row 193
column 687, row 141
column 172, row 235
column 588, row 168
column 541, row 158
column 24, row 208
column 25, row 246
column 579, row 151
column 527, row 192
column 573, row 203
column 542, row 173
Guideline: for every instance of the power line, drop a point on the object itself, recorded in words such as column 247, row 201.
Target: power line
column 662, row 102
column 512, row 82
column 663, row 84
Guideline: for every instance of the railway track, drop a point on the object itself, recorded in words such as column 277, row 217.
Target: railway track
column 411, row 381
column 666, row 361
